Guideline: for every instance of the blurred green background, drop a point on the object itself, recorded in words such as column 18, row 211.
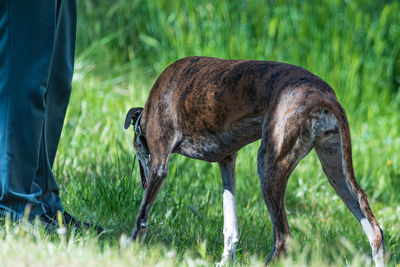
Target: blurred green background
column 122, row 47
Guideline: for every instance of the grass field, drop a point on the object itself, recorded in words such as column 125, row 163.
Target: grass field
column 123, row 46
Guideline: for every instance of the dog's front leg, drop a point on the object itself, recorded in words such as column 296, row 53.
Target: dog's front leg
column 150, row 194
column 231, row 236
column 158, row 173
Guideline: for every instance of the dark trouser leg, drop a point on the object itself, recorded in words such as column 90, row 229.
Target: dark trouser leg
column 27, row 41
column 57, row 98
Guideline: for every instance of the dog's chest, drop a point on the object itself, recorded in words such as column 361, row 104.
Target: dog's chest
column 216, row 146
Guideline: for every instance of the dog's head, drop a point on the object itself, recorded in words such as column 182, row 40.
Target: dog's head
column 139, row 142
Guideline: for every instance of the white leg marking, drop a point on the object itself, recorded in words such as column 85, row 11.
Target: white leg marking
column 368, row 230
column 378, row 259
column 231, row 236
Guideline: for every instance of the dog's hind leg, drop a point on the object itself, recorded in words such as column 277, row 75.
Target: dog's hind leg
column 334, row 152
column 283, row 145
column 157, row 175
column 231, row 236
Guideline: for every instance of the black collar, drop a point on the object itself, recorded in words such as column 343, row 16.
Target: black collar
column 141, row 138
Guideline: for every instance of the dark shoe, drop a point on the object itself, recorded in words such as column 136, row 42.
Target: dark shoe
column 49, row 224
column 72, row 221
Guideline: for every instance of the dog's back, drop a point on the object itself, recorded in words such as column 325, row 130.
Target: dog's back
column 226, row 101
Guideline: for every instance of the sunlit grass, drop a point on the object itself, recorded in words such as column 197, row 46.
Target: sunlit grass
column 123, row 46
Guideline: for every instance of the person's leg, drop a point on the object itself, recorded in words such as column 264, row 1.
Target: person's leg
column 27, row 30
column 57, row 97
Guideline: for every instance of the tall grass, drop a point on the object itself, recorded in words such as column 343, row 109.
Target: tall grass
column 123, row 46
column 354, row 45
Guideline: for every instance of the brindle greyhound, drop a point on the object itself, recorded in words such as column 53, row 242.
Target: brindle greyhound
column 209, row 108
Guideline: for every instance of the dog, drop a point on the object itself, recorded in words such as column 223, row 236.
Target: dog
column 208, row 108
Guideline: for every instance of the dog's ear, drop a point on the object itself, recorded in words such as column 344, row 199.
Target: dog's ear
column 132, row 115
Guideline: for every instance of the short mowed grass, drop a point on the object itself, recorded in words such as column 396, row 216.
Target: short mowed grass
column 122, row 46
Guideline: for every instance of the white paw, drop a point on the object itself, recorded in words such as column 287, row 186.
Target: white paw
column 226, row 259
column 221, row 263
column 379, row 259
